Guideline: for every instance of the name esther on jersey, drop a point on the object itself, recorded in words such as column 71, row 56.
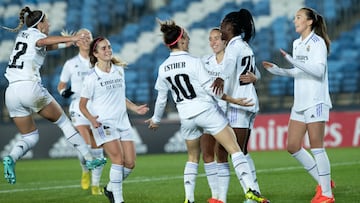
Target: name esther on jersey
column 174, row 66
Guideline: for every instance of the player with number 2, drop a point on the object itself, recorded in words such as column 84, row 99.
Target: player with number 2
column 26, row 95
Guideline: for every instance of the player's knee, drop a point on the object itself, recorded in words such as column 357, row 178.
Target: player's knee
column 129, row 164
column 208, row 156
column 292, row 148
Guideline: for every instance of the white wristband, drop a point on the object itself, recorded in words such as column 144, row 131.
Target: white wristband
column 61, row 45
column 61, row 91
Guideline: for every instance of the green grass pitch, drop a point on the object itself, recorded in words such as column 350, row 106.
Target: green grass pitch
column 159, row 179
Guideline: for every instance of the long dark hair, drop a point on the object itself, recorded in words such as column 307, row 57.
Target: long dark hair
column 32, row 19
column 242, row 23
column 318, row 25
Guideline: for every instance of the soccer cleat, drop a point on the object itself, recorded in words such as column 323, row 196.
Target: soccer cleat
column 109, row 195
column 90, row 165
column 249, row 201
column 187, row 201
column 85, row 180
column 255, row 195
column 213, row 200
column 96, row 190
column 323, row 199
column 9, row 169
column 319, row 191
column 332, row 184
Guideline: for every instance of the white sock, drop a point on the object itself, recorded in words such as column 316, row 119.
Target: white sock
column 82, row 161
column 243, row 171
column 116, row 176
column 127, row 172
column 109, row 187
column 223, row 180
column 253, row 171
column 308, row 162
column 73, row 136
column 323, row 165
column 96, row 172
column 211, row 175
column 27, row 142
column 190, row 174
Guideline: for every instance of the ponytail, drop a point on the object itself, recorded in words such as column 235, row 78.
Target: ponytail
column 21, row 19
column 33, row 18
column 243, row 24
column 318, row 25
column 172, row 33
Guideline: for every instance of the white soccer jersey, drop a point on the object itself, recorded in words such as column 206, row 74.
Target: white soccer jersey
column 189, row 83
column 310, row 72
column 238, row 60
column 214, row 69
column 106, row 91
column 26, row 59
column 75, row 70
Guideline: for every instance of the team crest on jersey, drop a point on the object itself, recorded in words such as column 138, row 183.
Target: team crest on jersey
column 107, row 130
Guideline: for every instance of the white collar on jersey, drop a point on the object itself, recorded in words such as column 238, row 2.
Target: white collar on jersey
column 177, row 53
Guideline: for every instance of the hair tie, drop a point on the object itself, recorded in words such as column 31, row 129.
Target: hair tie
column 177, row 39
column 42, row 15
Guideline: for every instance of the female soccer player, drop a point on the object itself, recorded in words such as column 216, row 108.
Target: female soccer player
column 73, row 72
column 105, row 88
column 217, row 171
column 237, row 29
column 189, row 83
column 25, row 93
column 312, row 102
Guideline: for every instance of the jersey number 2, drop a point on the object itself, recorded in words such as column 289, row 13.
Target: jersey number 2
column 247, row 62
column 20, row 47
column 178, row 87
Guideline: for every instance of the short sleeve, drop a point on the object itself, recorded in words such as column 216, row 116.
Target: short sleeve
column 65, row 73
column 87, row 90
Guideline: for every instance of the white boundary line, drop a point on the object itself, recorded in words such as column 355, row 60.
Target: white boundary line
column 165, row 178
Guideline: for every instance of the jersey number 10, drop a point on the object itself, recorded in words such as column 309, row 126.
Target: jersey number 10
column 178, row 87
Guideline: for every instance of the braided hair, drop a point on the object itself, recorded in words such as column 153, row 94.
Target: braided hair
column 33, row 18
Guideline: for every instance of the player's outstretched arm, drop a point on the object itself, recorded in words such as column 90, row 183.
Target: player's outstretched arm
column 238, row 101
column 152, row 125
column 139, row 109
